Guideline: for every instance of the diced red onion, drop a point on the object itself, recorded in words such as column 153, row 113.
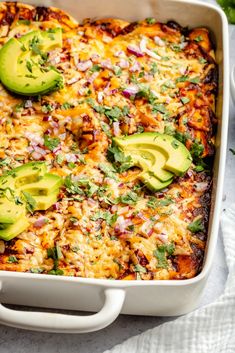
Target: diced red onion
column 95, row 58
column 201, row 186
column 40, row 222
column 144, row 49
column 182, row 70
column 70, row 157
column 62, row 136
column 93, row 77
column 119, row 53
column 40, row 150
column 81, row 91
column 116, row 128
column 57, row 150
column 159, row 41
column 122, row 224
column 140, row 215
column 133, row 49
column 124, row 64
column 28, row 103
column 34, row 138
column 135, row 67
column 163, row 237
column 84, row 65
column 47, row 118
column 114, row 208
column 100, row 96
column 72, row 80
column 36, row 156
column 130, row 91
column 54, row 124
column 56, row 206
column 106, row 64
column 168, row 100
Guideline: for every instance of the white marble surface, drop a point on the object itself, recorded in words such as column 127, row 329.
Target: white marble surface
column 20, row 341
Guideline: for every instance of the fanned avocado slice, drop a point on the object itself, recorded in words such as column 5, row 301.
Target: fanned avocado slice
column 160, row 156
column 12, row 230
column 10, row 212
column 151, row 160
column 153, row 183
column 45, row 202
column 25, row 174
column 23, row 68
column 45, row 186
column 178, row 158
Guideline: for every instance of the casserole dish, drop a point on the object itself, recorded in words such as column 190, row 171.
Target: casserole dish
column 148, row 298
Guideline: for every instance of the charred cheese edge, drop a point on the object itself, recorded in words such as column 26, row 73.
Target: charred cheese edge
column 106, row 224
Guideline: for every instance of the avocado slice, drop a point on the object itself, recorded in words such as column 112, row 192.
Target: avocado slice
column 46, row 201
column 45, row 186
column 178, row 158
column 153, row 183
column 152, row 161
column 12, row 230
column 10, row 212
column 22, row 63
column 25, row 174
column 44, row 40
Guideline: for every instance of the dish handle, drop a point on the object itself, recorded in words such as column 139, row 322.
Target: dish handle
column 61, row 323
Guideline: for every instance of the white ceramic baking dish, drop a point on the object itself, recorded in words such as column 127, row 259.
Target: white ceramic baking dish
column 109, row 298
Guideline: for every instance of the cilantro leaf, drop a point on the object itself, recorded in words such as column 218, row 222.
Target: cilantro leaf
column 130, row 198
column 196, row 226
column 119, row 160
column 50, row 142
column 161, row 253
column 30, row 201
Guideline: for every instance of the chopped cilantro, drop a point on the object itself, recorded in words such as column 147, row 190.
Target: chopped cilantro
column 196, row 150
column 202, row 60
column 182, row 79
column 150, row 20
column 29, row 66
column 30, row 201
column 140, row 129
column 12, row 259
column 175, row 144
column 194, row 80
column 4, row 162
column 185, row 100
column 105, row 127
column 196, row 226
column 66, row 106
column 117, row 70
column 198, row 39
column 108, row 170
column 159, row 108
column 153, row 69
column 106, row 216
column 130, row 198
column 139, row 268
column 95, row 68
column 161, row 253
column 50, row 142
column 153, row 202
column 47, row 108
column 120, row 162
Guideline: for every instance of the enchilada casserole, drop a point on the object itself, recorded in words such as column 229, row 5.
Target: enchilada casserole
column 120, row 80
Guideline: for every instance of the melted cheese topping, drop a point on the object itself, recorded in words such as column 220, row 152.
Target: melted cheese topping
column 120, row 79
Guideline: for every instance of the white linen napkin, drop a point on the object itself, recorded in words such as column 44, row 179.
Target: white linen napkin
column 210, row 329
